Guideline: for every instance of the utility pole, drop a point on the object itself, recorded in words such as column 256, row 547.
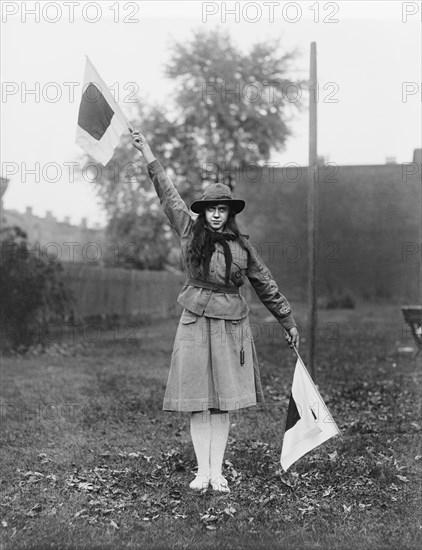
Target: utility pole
column 313, row 173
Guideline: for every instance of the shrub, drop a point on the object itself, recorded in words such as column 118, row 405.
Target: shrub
column 31, row 292
column 344, row 301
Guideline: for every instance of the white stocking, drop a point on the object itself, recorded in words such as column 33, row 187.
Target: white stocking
column 200, row 429
column 220, row 425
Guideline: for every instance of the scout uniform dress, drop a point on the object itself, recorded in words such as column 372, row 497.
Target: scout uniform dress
column 214, row 362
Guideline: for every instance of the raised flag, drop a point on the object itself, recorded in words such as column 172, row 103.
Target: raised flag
column 101, row 121
column 308, row 423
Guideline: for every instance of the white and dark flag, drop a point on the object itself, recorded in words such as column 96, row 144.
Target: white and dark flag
column 101, row 121
column 309, row 422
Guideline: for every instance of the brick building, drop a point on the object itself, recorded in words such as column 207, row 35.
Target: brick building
column 369, row 227
column 58, row 240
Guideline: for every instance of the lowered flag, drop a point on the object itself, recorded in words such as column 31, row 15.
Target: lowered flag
column 101, row 121
column 309, row 422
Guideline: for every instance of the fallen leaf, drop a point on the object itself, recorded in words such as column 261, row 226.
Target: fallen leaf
column 403, row 478
column 333, row 456
column 34, row 510
column 209, row 518
column 33, row 474
column 86, row 486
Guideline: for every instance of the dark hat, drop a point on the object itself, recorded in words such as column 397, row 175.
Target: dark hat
column 217, row 193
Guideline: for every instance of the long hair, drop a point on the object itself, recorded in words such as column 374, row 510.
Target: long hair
column 195, row 252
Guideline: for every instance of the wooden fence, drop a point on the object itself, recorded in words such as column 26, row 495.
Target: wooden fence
column 124, row 293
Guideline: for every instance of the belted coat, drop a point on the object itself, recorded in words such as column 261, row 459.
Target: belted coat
column 246, row 263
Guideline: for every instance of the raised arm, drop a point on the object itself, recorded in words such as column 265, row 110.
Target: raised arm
column 172, row 203
column 267, row 290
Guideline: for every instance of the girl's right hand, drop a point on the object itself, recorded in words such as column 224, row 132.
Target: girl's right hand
column 139, row 141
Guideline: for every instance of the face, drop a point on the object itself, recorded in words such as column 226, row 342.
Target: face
column 217, row 216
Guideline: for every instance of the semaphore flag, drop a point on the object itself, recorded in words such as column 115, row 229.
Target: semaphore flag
column 309, row 422
column 101, row 121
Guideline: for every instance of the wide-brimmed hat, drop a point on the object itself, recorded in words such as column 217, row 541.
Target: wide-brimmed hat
column 217, row 193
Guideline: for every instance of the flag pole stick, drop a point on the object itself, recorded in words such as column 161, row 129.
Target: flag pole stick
column 312, row 201
column 299, row 357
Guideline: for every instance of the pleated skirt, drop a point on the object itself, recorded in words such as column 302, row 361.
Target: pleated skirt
column 206, row 370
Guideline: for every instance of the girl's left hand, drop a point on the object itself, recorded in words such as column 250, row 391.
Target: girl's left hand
column 292, row 338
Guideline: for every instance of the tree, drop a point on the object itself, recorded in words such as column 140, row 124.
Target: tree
column 138, row 232
column 211, row 132
column 235, row 104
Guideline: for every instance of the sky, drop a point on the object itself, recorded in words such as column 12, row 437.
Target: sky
column 369, row 74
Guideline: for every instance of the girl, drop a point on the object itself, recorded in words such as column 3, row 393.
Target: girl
column 214, row 367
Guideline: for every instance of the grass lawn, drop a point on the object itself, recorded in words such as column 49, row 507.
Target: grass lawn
column 89, row 460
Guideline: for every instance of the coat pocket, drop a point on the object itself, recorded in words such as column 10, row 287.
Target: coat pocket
column 234, row 329
column 187, row 331
column 188, row 317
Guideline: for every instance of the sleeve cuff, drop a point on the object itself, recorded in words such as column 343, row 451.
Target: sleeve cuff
column 155, row 167
column 287, row 322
